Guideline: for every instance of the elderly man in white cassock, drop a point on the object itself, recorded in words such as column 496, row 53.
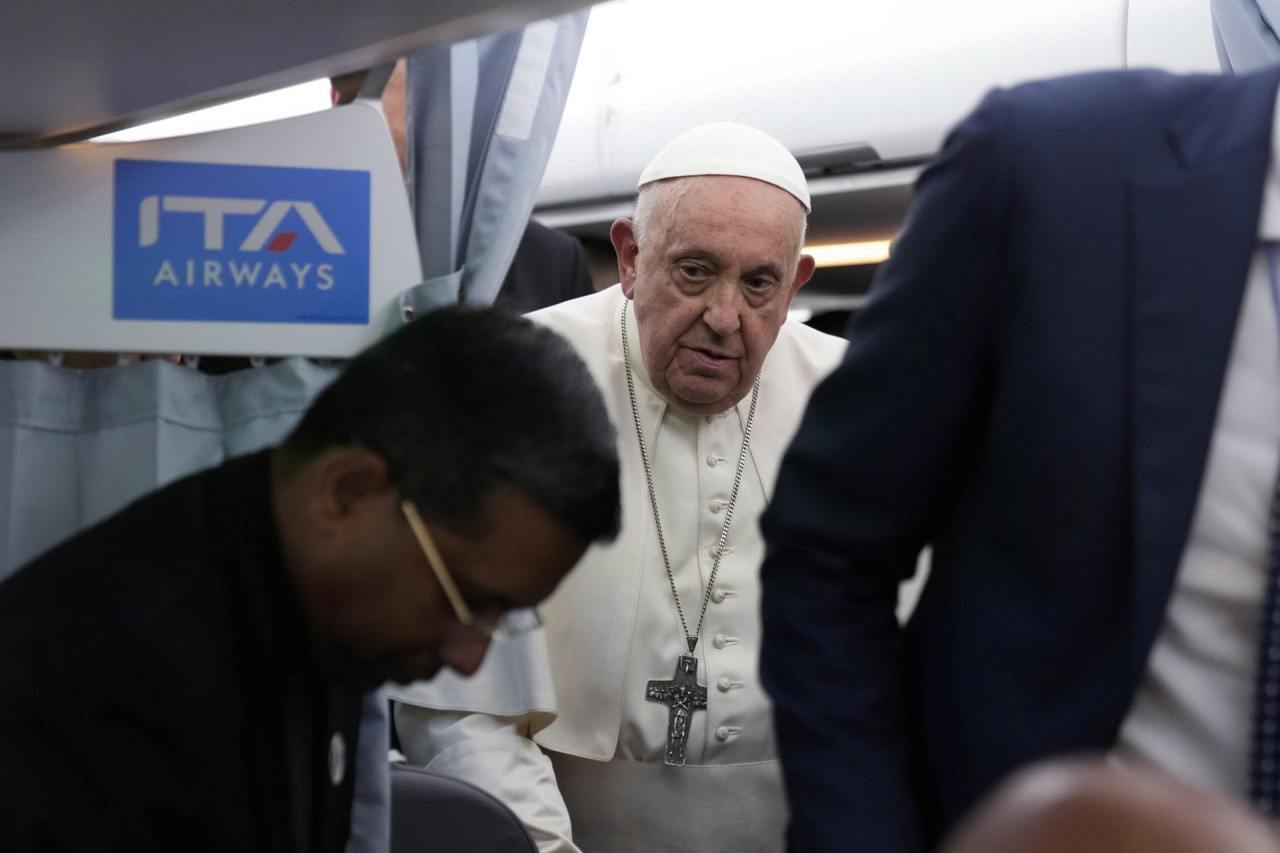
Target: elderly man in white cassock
column 635, row 720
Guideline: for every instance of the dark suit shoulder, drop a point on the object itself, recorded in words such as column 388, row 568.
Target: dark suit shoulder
column 1050, row 139
column 1110, row 107
column 1100, row 90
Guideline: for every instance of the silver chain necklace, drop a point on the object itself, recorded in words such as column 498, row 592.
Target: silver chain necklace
column 682, row 694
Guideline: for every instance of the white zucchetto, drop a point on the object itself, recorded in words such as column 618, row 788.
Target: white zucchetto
column 728, row 148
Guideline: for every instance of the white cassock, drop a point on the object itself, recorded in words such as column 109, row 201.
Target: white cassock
column 556, row 724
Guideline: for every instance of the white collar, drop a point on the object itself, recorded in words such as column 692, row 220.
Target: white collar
column 1269, row 219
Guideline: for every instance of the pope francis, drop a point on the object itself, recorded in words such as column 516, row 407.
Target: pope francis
column 635, row 720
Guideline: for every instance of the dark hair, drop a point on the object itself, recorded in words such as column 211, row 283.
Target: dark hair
column 464, row 400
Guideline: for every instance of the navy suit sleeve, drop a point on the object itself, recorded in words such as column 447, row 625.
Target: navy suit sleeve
column 883, row 443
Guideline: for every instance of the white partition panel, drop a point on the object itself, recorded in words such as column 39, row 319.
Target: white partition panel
column 1176, row 35
column 287, row 238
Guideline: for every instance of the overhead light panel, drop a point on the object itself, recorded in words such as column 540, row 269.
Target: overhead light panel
column 283, row 103
column 849, row 254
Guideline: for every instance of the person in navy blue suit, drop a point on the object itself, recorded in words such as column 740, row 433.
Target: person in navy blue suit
column 1066, row 382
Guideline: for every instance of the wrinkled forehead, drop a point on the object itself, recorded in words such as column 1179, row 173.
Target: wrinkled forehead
column 710, row 210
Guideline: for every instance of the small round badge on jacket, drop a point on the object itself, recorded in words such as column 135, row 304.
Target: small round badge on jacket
column 337, row 758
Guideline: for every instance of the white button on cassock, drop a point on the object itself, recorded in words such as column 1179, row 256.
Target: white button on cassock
column 716, row 505
column 337, row 758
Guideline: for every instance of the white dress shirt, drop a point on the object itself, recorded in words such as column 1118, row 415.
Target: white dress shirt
column 1192, row 715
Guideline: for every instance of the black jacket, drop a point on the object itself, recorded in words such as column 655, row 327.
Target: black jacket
column 157, row 690
column 549, row 267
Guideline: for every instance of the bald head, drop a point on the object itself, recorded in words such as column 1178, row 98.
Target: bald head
column 1092, row 807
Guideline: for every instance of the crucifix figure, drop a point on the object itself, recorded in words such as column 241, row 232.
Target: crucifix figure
column 683, row 695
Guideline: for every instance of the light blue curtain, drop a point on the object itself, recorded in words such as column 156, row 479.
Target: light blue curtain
column 1245, row 33
column 481, row 117
column 76, row 446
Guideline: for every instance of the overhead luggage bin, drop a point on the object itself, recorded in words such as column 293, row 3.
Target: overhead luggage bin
column 861, row 92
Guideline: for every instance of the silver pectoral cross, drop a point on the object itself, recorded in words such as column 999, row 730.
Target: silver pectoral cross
column 683, row 695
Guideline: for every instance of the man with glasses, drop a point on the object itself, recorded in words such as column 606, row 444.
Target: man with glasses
column 187, row 675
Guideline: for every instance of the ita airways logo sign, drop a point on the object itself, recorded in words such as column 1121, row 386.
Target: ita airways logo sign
column 214, row 242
